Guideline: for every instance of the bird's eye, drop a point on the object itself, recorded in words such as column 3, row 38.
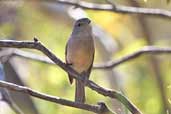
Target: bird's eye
column 79, row 24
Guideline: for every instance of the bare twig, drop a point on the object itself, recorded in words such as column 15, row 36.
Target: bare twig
column 114, row 94
column 110, row 2
column 117, row 8
column 144, row 50
column 107, row 65
column 37, row 45
column 32, row 56
column 26, row 90
column 8, row 53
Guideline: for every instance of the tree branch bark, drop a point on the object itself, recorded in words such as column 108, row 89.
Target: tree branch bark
column 26, row 90
column 144, row 50
column 37, row 45
column 117, row 8
column 107, row 65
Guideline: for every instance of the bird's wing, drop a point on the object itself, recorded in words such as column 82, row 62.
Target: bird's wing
column 70, row 76
column 89, row 69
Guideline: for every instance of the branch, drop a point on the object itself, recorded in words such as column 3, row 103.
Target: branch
column 37, row 45
column 117, row 8
column 26, row 90
column 32, row 56
column 144, row 50
column 6, row 54
column 107, row 65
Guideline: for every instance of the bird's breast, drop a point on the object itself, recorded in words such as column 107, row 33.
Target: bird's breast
column 80, row 53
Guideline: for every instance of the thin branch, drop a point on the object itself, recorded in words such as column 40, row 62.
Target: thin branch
column 26, row 90
column 107, row 65
column 117, row 8
column 32, row 56
column 6, row 54
column 37, row 45
column 144, row 50
column 110, row 2
column 116, row 95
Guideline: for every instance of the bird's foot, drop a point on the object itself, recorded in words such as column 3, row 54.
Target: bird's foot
column 85, row 79
column 69, row 64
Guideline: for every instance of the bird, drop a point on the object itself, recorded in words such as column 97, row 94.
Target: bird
column 79, row 54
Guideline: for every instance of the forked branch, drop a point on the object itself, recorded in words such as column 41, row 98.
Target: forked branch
column 39, row 46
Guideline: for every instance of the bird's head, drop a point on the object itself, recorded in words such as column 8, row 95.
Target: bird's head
column 82, row 25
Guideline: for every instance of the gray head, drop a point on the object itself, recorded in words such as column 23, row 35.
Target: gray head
column 82, row 25
column 82, row 22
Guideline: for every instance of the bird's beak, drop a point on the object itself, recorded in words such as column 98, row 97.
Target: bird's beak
column 89, row 21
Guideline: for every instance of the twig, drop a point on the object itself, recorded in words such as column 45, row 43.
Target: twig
column 32, row 56
column 117, row 8
column 144, row 50
column 107, row 65
column 8, row 53
column 37, row 45
column 114, row 94
column 110, row 2
column 26, row 90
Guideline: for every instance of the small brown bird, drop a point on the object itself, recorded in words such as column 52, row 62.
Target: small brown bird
column 80, row 54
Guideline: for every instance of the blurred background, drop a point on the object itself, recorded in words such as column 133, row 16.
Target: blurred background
column 146, row 80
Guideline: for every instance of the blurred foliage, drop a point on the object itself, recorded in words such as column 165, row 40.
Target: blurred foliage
column 137, row 79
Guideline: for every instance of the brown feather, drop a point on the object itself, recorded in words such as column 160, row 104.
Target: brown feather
column 69, row 76
column 80, row 89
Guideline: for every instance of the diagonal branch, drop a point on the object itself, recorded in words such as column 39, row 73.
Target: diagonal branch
column 37, row 45
column 144, row 50
column 117, row 8
column 26, row 90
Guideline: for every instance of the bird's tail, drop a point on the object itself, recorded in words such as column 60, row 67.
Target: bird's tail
column 80, row 92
